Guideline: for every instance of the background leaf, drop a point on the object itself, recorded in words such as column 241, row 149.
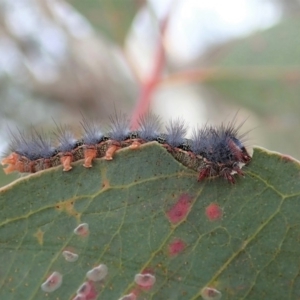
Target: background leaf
column 263, row 74
column 248, row 249
column 111, row 17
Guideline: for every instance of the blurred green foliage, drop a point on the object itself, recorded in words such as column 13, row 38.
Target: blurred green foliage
column 264, row 76
column 111, row 17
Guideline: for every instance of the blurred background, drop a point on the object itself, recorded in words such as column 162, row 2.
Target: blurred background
column 204, row 61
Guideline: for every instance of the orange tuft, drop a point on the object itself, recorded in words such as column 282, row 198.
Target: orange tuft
column 9, row 169
column 10, row 160
column 13, row 163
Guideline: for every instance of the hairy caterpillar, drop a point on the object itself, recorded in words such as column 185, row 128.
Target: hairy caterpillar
column 212, row 151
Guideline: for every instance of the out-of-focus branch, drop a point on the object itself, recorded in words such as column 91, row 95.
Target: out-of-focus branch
column 149, row 85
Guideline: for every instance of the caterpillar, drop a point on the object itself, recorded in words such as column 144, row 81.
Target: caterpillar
column 212, row 151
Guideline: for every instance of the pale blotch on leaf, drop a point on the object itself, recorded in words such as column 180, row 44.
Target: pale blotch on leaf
column 84, row 289
column 82, row 229
column 39, row 235
column 79, row 297
column 97, row 273
column 146, row 280
column 70, row 256
column 209, row 293
column 53, row 282
column 130, row 296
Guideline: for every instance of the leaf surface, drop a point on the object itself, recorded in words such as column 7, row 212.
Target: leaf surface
column 148, row 214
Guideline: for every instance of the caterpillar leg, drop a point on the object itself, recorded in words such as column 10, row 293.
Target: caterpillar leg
column 89, row 154
column 135, row 145
column 66, row 160
column 110, row 152
column 237, row 169
column 226, row 173
column 203, row 174
column 208, row 170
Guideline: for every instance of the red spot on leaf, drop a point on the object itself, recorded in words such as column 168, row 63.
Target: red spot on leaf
column 213, row 212
column 52, row 283
column 209, row 293
column 131, row 296
column 176, row 247
column 82, row 229
column 145, row 281
column 148, row 271
column 180, row 209
column 92, row 292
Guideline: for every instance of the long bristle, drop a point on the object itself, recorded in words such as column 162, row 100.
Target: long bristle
column 213, row 143
column 65, row 138
column 119, row 127
column 149, row 127
column 33, row 145
column 176, row 132
column 92, row 134
column 199, row 137
column 44, row 144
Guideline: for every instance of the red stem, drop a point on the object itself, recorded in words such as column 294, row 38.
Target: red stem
column 149, row 85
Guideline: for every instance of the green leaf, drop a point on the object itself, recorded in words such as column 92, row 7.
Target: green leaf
column 6, row 179
column 267, row 66
column 262, row 72
column 112, row 17
column 251, row 251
